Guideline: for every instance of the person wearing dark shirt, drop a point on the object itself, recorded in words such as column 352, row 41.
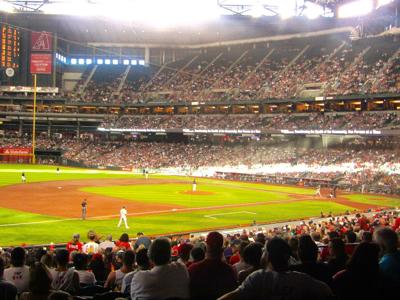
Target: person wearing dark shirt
column 361, row 279
column 84, row 209
column 308, row 254
column 212, row 277
column 337, row 256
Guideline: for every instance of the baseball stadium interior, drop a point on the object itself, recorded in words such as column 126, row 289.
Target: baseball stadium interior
column 253, row 146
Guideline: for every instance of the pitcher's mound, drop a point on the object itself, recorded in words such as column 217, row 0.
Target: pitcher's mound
column 198, row 193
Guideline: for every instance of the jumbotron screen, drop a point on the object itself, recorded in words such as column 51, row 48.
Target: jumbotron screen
column 10, row 47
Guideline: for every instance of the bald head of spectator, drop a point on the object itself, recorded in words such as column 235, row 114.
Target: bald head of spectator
column 215, row 242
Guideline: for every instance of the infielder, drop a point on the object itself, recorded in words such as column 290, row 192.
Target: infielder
column 23, row 178
column 58, row 171
column 194, row 186
column 122, row 217
column 318, row 192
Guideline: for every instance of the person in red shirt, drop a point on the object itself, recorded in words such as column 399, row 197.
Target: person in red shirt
column 235, row 258
column 123, row 242
column 363, row 221
column 75, row 244
column 184, row 250
column 396, row 224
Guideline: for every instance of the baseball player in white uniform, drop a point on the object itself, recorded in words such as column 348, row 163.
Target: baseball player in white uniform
column 318, row 192
column 23, row 178
column 122, row 217
column 194, row 186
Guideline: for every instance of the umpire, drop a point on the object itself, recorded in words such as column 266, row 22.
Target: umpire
column 84, row 209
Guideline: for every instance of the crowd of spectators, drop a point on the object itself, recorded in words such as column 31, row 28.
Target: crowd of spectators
column 357, row 164
column 316, row 121
column 334, row 257
column 249, row 75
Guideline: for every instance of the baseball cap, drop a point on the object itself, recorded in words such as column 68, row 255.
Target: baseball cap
column 76, row 236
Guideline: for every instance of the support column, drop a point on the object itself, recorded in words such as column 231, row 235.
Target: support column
column 20, row 129
column 78, row 130
column 325, row 141
column 49, row 129
column 147, row 55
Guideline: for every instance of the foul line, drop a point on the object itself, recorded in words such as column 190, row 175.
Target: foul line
column 229, row 213
column 173, row 210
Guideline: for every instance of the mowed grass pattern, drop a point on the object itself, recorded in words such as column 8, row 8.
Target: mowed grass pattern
column 174, row 194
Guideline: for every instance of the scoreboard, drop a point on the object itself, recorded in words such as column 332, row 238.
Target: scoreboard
column 10, row 47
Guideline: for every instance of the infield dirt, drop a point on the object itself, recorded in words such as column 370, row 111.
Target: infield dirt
column 63, row 198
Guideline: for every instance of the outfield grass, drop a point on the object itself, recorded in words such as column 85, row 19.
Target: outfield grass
column 173, row 194
column 17, row 227
column 375, row 199
column 262, row 186
column 11, row 174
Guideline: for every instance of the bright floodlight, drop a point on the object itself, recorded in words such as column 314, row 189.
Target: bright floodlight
column 287, row 9
column 6, row 7
column 257, row 11
column 312, row 10
column 126, row 62
column 383, row 2
column 356, row 9
column 89, row 61
column 154, row 12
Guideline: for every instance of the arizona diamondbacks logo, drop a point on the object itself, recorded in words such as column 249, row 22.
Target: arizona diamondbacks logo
column 42, row 42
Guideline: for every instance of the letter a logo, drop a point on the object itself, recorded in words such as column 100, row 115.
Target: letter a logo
column 41, row 41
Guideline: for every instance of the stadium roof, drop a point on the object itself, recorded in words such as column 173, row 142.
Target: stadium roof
column 231, row 24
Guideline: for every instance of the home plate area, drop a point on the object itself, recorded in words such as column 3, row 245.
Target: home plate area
column 214, row 216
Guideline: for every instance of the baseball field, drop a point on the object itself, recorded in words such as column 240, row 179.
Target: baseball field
column 47, row 208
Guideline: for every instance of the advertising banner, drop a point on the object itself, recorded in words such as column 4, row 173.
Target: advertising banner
column 41, row 63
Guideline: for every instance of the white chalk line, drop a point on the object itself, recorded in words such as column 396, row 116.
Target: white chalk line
column 229, row 213
column 173, row 210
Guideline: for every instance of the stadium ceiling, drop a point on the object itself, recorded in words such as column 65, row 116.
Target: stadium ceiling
column 237, row 19
column 133, row 9
column 284, row 9
column 237, row 7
